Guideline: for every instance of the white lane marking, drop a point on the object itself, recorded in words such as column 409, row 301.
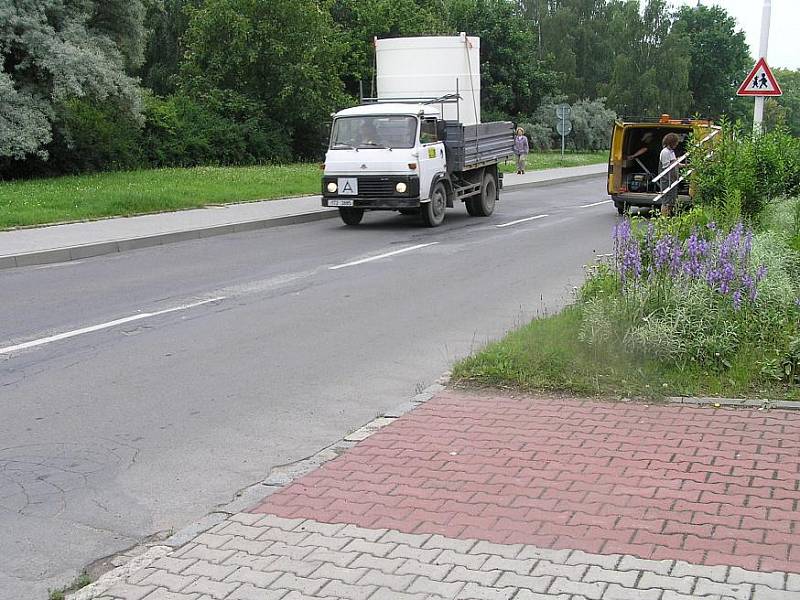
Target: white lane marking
column 594, row 204
column 522, row 220
column 93, row 328
column 371, row 258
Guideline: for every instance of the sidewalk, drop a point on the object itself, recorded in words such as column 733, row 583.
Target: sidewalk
column 75, row 241
column 483, row 496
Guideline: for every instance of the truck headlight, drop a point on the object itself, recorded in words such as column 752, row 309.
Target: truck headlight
column 332, row 187
column 401, row 188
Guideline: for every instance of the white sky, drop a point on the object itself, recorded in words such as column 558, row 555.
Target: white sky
column 784, row 39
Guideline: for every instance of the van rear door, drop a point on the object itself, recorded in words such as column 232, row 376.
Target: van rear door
column 615, row 158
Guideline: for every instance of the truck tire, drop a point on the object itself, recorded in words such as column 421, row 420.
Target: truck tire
column 483, row 206
column 621, row 207
column 433, row 210
column 351, row 216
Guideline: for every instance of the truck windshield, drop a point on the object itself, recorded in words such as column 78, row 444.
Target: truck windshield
column 393, row 131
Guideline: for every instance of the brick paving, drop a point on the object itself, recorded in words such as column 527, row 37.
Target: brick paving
column 482, row 497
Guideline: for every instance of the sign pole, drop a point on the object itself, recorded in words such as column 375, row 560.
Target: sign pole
column 758, row 111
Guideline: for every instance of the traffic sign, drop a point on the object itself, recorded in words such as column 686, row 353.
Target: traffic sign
column 760, row 82
column 563, row 127
column 562, row 111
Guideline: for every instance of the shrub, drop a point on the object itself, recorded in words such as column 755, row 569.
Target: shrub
column 591, row 125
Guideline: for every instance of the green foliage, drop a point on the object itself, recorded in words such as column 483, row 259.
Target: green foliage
column 56, row 50
column 278, row 54
column 591, row 124
column 227, row 129
column 746, row 171
column 784, row 111
column 719, row 57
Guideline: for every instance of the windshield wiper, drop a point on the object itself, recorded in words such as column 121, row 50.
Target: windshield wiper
column 340, row 146
column 373, row 145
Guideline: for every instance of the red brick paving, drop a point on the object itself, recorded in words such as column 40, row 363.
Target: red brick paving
column 664, row 482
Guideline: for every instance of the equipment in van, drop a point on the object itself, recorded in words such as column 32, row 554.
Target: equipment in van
column 419, row 146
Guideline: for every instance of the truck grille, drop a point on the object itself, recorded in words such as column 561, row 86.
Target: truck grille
column 375, row 188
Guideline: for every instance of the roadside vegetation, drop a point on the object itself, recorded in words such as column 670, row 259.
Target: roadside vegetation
column 705, row 303
column 127, row 193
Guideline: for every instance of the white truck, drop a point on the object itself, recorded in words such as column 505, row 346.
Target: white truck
column 417, row 147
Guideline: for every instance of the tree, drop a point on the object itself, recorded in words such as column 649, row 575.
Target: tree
column 650, row 72
column 785, row 110
column 513, row 79
column 56, row 50
column 279, row 54
column 719, row 55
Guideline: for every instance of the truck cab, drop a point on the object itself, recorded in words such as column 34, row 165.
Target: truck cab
column 383, row 156
column 633, row 159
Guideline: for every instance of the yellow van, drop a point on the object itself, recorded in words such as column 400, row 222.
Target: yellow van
column 633, row 160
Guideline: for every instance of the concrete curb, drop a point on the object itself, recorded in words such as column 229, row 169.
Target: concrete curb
column 57, row 255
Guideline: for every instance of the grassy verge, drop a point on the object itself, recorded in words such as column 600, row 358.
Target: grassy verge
column 547, row 355
column 128, row 193
column 553, row 160
column 81, row 582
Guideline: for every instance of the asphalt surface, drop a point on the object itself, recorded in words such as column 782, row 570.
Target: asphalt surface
column 208, row 362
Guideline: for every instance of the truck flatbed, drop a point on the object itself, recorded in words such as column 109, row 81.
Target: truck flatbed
column 475, row 146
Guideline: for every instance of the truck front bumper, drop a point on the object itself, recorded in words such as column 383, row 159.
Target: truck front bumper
column 375, row 192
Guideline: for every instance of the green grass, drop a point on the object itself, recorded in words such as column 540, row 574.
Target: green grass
column 80, row 582
column 128, row 193
column 553, row 160
column 546, row 355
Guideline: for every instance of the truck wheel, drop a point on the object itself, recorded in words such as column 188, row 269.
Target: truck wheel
column 622, row 208
column 351, row 216
column 483, row 206
column 433, row 210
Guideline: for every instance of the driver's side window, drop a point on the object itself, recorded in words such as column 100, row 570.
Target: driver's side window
column 427, row 132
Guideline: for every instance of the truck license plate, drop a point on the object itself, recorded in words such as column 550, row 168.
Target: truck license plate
column 339, row 202
column 348, row 186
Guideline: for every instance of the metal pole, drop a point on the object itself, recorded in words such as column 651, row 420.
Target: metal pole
column 758, row 111
column 563, row 135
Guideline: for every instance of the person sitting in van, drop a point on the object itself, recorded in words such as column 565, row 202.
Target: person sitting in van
column 645, row 146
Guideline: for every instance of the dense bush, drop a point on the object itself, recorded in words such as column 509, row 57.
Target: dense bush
column 747, row 171
column 591, row 126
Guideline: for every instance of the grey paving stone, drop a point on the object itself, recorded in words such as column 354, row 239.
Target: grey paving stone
column 392, row 595
column 440, row 588
column 451, row 557
column 659, row 567
column 415, row 540
column 367, row 547
column 336, row 557
column 504, row 550
column 485, row 578
column 592, row 591
column 420, row 554
column 524, row 582
column 398, row 583
column 775, row 580
column 172, row 564
column 515, row 565
column 670, row 595
column 215, row 589
column 739, row 591
column 354, row 531
column 793, row 582
column 387, row 565
column 616, row 592
column 334, row 573
column 345, row 591
column 278, row 522
column 554, row 556
column 284, row 564
column 295, row 552
column 246, row 518
column 258, row 563
column 415, row 567
column 438, row 541
column 210, row 570
column 127, row 591
column 573, row 572
column 214, row 540
column 761, row 592
column 320, row 540
column 171, row 581
column 290, row 538
column 473, row 591
column 529, row 595
column 319, row 527
column 245, row 545
column 714, row 573
column 579, row 557
column 665, row 582
column 304, row 585
column 210, row 554
column 624, row 578
column 250, row 592
column 165, row 594
column 254, row 577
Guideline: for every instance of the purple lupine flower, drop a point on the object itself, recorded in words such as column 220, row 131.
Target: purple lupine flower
column 761, row 272
column 737, row 300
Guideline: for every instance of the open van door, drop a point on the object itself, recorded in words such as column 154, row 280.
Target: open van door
column 615, row 157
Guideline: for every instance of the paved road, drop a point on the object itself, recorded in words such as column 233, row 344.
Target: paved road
column 214, row 360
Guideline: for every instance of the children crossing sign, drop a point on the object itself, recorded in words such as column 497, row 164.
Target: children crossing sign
column 760, row 82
